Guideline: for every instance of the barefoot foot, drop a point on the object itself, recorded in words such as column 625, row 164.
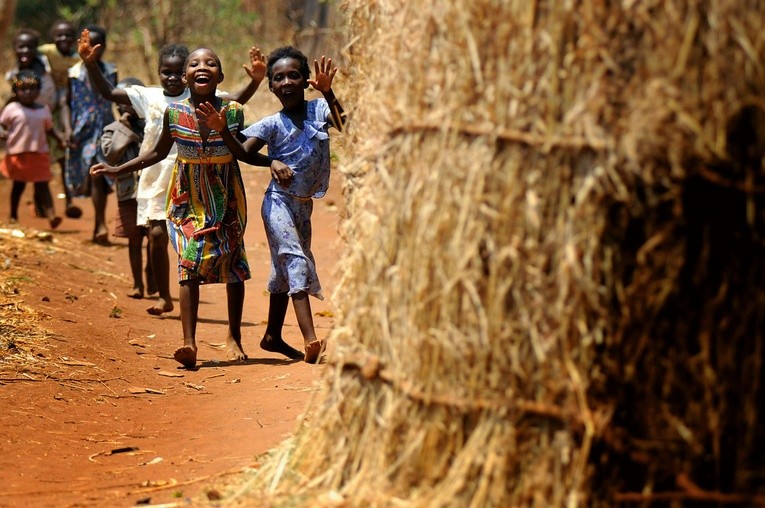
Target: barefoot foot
column 281, row 347
column 55, row 222
column 186, row 356
column 136, row 293
column 73, row 211
column 313, row 351
column 160, row 307
column 234, row 351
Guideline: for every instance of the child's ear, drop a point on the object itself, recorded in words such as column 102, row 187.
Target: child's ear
column 220, row 78
column 183, row 79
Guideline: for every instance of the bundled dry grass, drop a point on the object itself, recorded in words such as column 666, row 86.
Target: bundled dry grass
column 554, row 278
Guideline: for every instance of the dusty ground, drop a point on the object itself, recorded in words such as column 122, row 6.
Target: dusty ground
column 103, row 381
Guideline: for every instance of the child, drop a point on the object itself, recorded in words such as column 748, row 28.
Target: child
column 61, row 55
column 88, row 114
column 120, row 142
column 27, row 58
column 206, row 206
column 150, row 104
column 25, row 43
column 298, row 136
column 27, row 122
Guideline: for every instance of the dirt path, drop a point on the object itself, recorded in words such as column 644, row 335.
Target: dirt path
column 102, row 384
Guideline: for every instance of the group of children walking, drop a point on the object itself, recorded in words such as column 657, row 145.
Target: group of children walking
column 172, row 159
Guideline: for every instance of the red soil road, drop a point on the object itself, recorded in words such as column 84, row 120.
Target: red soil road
column 57, row 433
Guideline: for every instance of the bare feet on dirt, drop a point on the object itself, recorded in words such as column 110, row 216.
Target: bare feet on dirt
column 160, row 307
column 186, row 356
column 313, row 351
column 279, row 346
column 234, row 350
column 136, row 293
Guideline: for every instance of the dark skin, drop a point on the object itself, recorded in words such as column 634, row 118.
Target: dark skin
column 27, row 94
column 288, row 84
column 202, row 75
column 98, row 186
column 170, row 74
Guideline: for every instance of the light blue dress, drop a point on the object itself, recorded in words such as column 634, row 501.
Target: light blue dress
column 286, row 211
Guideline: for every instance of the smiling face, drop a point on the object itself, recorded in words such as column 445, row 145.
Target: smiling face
column 203, row 72
column 64, row 37
column 171, row 75
column 25, row 46
column 287, row 83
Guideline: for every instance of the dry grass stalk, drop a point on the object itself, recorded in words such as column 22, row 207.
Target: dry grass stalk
column 530, row 225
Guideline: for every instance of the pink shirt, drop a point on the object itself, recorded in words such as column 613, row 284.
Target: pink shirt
column 27, row 128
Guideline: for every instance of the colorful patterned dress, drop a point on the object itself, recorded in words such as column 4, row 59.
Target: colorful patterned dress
column 206, row 205
column 90, row 113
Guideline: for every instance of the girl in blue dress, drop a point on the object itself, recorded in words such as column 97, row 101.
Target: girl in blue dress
column 298, row 144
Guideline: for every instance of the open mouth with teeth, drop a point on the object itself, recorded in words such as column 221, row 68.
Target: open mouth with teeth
column 202, row 80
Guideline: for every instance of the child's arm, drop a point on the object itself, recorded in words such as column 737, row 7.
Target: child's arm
column 249, row 151
column 107, row 90
column 160, row 151
column 256, row 71
column 324, row 74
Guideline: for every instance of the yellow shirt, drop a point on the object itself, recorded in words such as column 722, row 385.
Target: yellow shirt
column 59, row 63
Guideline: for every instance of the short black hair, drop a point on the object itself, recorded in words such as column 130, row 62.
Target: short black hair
column 28, row 31
column 57, row 24
column 288, row 52
column 171, row 50
column 99, row 30
column 217, row 58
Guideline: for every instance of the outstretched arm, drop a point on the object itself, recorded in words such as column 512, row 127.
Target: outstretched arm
column 160, row 151
column 324, row 74
column 249, row 151
column 89, row 55
column 256, row 71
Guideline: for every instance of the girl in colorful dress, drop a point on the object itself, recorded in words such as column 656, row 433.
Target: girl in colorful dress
column 206, row 205
column 298, row 137
column 27, row 123
column 150, row 104
column 86, row 118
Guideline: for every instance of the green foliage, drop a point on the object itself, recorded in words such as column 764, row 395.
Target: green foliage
column 41, row 14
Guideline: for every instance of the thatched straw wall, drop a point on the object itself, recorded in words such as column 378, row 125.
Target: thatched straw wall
column 553, row 288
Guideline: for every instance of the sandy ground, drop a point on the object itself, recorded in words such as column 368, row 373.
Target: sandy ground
column 103, row 417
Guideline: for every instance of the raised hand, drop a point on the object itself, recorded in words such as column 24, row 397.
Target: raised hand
column 323, row 75
column 213, row 119
column 87, row 52
column 257, row 68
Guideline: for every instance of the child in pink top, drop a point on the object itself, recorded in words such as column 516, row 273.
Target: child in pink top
column 26, row 123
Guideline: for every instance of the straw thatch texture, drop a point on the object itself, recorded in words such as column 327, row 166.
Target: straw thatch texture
column 553, row 286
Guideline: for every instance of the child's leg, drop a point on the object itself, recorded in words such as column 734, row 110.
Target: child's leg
column 16, row 191
column 272, row 340
column 72, row 211
column 135, row 255
column 313, row 347
column 98, row 193
column 151, row 285
column 235, row 297
column 189, row 301
column 160, row 265
column 44, row 199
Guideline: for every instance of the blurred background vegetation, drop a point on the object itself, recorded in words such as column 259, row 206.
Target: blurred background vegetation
column 137, row 29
